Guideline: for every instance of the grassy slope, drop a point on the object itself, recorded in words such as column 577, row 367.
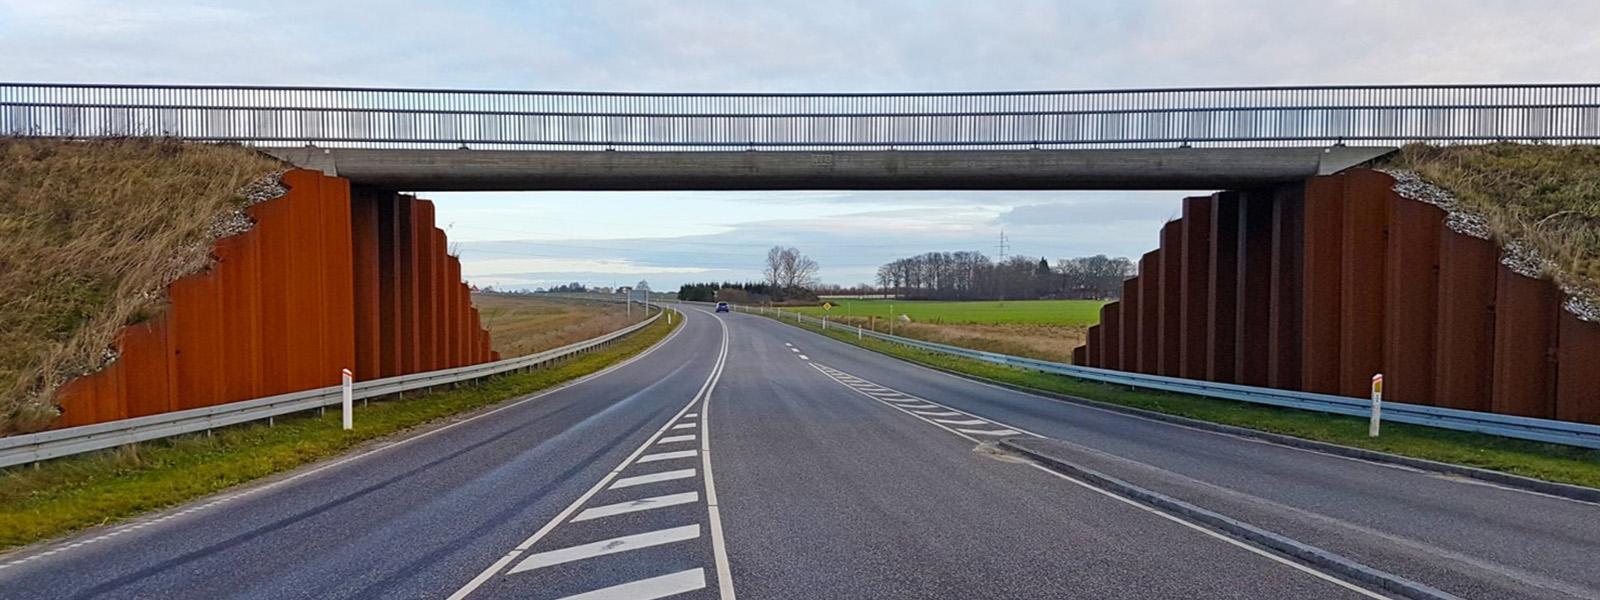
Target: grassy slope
column 1011, row 312
column 90, row 234
column 1530, row 459
column 1545, row 196
column 105, row 487
column 523, row 324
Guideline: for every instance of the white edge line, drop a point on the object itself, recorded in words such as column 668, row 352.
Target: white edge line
column 213, row 501
column 1130, row 502
column 498, row 565
column 719, row 546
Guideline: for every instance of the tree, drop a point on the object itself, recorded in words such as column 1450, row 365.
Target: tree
column 788, row 268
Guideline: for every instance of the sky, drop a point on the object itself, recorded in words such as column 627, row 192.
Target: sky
column 667, row 238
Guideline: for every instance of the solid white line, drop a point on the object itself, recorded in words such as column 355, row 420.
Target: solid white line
column 719, row 546
column 675, row 438
column 626, row 482
column 250, row 491
column 604, row 547
column 985, row 432
column 631, row 506
column 649, row 589
column 500, row 564
column 665, row 456
column 962, row 421
column 1157, row 512
column 1203, row 529
column 683, row 426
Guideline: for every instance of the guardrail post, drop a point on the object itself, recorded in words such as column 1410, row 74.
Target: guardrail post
column 1377, row 405
column 348, row 397
column 858, row 333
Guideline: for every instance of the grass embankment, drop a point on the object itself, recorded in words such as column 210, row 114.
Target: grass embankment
column 90, row 235
column 1043, row 329
column 1545, row 196
column 72, row 493
column 521, row 324
column 1549, row 462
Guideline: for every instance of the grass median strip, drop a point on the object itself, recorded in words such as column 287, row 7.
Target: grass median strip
column 100, row 488
column 1549, row 462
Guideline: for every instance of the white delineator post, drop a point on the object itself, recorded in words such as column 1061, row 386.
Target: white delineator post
column 1377, row 405
column 349, row 398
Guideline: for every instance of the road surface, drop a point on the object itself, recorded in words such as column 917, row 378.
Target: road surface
column 747, row 458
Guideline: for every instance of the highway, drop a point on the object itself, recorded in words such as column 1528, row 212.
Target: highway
column 747, row 458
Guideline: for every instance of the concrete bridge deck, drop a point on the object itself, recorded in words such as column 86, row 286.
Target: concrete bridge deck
column 522, row 170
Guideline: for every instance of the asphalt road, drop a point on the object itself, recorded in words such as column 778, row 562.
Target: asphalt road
column 748, row 458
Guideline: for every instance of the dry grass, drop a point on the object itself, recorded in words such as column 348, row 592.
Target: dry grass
column 1547, row 197
column 1044, row 342
column 520, row 324
column 90, row 234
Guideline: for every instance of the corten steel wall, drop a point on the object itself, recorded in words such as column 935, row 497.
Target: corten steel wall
column 1149, row 311
column 324, row 281
column 1169, row 337
column 1317, row 287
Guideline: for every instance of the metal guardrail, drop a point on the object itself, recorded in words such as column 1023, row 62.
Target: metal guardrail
column 1541, row 430
column 496, row 119
column 33, row 447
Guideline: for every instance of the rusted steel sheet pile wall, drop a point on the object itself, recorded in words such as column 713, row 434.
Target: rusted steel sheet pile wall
column 1316, row 287
column 324, row 281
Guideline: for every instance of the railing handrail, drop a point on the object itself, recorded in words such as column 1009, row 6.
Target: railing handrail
column 377, row 117
column 1528, row 428
column 44, row 445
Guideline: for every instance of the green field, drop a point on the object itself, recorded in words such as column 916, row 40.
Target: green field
column 1033, row 312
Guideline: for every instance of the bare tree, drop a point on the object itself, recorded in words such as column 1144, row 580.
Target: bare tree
column 788, row 268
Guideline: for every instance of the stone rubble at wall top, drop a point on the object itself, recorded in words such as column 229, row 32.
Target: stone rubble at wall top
column 1519, row 257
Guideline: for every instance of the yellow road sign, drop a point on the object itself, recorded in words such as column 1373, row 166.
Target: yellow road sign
column 827, row 306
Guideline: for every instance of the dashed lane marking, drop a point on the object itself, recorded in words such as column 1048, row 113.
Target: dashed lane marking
column 632, row 506
column 611, row 546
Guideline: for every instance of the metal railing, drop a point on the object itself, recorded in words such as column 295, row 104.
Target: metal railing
column 494, row 119
column 33, row 447
column 1541, row 430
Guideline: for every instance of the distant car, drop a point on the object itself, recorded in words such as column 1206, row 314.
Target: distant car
column 722, row 307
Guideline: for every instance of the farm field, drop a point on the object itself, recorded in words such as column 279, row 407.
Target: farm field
column 1043, row 329
column 1003, row 312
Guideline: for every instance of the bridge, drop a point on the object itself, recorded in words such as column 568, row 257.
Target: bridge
column 1181, row 138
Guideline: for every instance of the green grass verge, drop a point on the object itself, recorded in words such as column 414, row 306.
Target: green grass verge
column 99, row 488
column 1550, row 462
column 1008, row 312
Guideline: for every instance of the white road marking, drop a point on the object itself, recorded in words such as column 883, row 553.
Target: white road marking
column 719, row 546
column 963, row 421
column 691, row 415
column 986, row 432
column 787, row 344
column 220, row 500
column 604, row 547
column 627, row 482
column 683, row 426
column 804, row 357
column 631, row 506
column 675, row 438
column 649, row 589
column 665, row 456
column 794, row 349
column 561, row 517
column 1197, row 527
column 938, row 413
column 921, row 406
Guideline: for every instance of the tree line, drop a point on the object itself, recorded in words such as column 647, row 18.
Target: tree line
column 744, row 293
column 974, row 276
